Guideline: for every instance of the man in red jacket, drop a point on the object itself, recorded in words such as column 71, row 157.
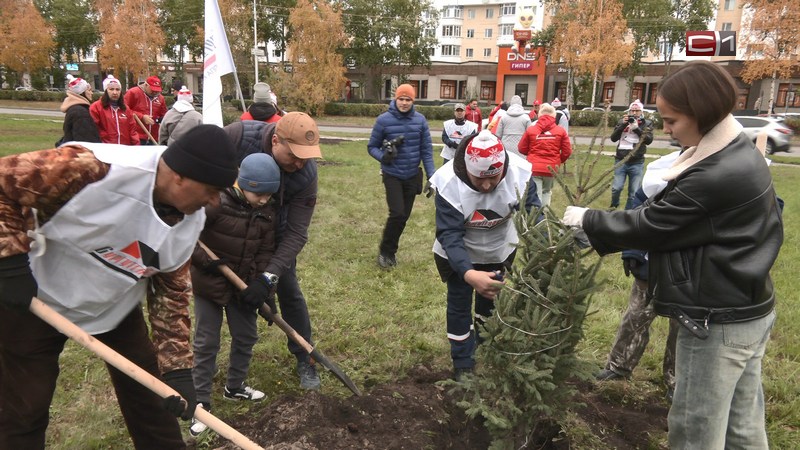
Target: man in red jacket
column 547, row 146
column 473, row 113
column 149, row 106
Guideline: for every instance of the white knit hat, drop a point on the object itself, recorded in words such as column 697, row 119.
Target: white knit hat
column 636, row 104
column 185, row 94
column 109, row 81
column 485, row 155
column 77, row 85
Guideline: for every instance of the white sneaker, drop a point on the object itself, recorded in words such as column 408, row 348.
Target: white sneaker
column 198, row 427
column 243, row 393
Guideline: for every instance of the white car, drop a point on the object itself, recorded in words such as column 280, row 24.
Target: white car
column 779, row 135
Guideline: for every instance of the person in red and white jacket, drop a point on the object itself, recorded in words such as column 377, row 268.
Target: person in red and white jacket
column 473, row 113
column 546, row 146
column 114, row 119
column 149, row 105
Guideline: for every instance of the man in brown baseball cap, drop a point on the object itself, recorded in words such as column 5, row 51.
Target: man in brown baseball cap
column 294, row 144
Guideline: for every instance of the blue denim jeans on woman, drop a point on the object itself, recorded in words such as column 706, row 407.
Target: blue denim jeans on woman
column 719, row 400
column 634, row 172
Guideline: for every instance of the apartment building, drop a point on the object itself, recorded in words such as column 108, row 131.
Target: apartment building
column 472, row 58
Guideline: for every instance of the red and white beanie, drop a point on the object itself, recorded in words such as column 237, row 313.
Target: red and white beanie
column 111, row 81
column 77, row 85
column 485, row 155
column 556, row 102
column 185, row 94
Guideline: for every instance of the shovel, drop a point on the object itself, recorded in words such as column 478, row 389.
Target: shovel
column 69, row 329
column 267, row 314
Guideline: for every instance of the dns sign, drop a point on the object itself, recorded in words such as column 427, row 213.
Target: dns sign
column 512, row 56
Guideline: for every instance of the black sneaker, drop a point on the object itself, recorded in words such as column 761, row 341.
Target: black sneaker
column 608, row 375
column 197, row 427
column 309, row 379
column 244, row 392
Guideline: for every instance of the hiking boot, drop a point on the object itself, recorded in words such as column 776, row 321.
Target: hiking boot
column 309, row 379
column 386, row 262
column 197, row 427
column 244, row 392
column 460, row 373
column 608, row 375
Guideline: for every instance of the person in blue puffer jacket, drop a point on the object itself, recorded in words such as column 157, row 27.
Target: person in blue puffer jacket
column 400, row 140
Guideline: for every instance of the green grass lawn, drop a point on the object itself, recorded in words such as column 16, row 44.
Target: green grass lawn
column 377, row 324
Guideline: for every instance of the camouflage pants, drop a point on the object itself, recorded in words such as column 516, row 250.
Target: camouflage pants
column 634, row 334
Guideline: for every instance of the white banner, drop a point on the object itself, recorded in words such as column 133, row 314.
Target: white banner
column 217, row 61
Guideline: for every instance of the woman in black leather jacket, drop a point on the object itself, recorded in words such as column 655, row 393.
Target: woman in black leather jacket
column 713, row 234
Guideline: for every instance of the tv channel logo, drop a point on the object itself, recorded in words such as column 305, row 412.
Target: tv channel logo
column 710, row 43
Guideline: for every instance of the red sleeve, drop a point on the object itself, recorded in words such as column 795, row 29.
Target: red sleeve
column 566, row 147
column 524, row 146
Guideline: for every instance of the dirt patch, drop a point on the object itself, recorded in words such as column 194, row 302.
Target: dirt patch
column 415, row 413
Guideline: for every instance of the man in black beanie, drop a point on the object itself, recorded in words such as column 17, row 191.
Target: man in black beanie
column 133, row 219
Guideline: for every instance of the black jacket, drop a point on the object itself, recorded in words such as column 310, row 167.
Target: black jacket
column 713, row 233
column 645, row 133
column 78, row 123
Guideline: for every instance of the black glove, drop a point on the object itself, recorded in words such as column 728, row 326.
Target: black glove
column 256, row 293
column 630, row 265
column 387, row 158
column 181, row 381
column 428, row 189
column 272, row 307
column 17, row 285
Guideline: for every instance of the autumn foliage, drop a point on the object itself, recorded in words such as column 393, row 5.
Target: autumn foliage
column 27, row 38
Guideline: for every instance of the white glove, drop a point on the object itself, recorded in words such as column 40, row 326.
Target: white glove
column 573, row 216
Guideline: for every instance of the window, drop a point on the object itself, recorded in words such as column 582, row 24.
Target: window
column 727, row 26
column 489, row 13
column 608, row 91
column 487, row 33
column 651, row 97
column 432, row 51
column 452, row 12
column 508, row 9
column 451, row 50
column 471, row 14
column 788, row 93
column 451, row 31
column 487, row 52
column 470, row 33
column 729, row 5
column 507, row 29
column 561, row 90
column 469, row 53
column 487, row 90
column 637, row 91
column 447, row 89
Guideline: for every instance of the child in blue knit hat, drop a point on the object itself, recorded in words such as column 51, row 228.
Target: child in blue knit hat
column 241, row 232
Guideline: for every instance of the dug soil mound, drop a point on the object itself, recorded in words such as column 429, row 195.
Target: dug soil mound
column 416, row 413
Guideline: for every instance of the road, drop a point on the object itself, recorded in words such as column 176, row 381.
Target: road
column 435, row 134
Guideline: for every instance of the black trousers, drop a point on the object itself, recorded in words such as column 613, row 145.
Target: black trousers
column 29, row 351
column 294, row 310
column 400, row 196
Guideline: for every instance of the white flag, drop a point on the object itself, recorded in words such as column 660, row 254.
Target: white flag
column 217, row 61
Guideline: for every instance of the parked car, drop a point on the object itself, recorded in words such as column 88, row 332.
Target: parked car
column 596, row 108
column 450, row 105
column 778, row 134
column 23, row 88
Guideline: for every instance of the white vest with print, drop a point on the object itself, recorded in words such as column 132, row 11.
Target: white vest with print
column 104, row 243
column 456, row 133
column 490, row 233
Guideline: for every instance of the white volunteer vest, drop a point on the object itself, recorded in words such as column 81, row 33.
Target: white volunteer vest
column 456, row 133
column 101, row 246
column 490, row 233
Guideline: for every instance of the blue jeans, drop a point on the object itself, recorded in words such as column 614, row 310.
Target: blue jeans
column 634, row 172
column 719, row 400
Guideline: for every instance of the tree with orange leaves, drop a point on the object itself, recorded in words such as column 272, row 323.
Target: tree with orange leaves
column 770, row 38
column 592, row 39
column 132, row 37
column 27, row 38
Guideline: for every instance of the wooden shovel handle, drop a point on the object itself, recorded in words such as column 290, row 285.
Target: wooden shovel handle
column 72, row 331
column 144, row 128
